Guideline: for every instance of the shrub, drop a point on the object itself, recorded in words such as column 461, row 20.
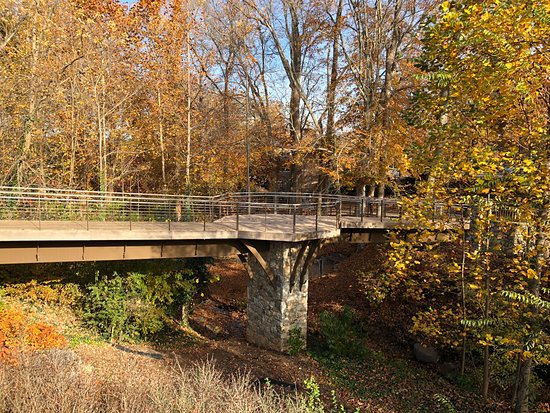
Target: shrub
column 48, row 293
column 340, row 333
column 134, row 306
column 18, row 334
column 296, row 342
column 119, row 308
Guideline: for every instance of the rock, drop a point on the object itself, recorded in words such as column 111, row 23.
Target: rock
column 426, row 354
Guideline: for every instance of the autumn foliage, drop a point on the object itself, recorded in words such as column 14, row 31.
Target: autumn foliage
column 19, row 334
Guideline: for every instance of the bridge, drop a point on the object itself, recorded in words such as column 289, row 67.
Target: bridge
column 40, row 225
column 276, row 235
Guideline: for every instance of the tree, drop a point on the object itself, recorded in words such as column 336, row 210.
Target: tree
column 485, row 106
column 379, row 45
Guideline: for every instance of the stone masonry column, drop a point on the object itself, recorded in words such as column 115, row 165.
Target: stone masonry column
column 277, row 293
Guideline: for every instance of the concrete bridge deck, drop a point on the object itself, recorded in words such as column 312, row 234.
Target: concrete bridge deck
column 61, row 241
column 255, row 227
column 45, row 225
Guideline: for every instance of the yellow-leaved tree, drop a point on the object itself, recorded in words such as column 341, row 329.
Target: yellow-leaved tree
column 484, row 199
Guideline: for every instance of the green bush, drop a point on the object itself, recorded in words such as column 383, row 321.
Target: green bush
column 340, row 332
column 295, row 341
column 135, row 306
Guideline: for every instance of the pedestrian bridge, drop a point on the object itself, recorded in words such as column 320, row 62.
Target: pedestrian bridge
column 276, row 235
column 40, row 225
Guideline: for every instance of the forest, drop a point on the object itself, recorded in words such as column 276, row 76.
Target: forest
column 441, row 104
column 174, row 96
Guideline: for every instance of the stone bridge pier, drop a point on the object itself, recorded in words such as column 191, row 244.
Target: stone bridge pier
column 278, row 291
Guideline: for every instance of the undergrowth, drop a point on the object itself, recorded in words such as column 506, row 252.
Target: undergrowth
column 19, row 334
column 134, row 304
column 367, row 374
column 58, row 381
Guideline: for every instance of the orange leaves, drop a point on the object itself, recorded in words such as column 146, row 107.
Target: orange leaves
column 18, row 334
column 41, row 336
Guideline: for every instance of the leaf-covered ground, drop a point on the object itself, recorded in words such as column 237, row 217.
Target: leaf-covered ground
column 385, row 379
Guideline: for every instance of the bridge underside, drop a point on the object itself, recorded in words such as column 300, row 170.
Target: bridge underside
column 75, row 251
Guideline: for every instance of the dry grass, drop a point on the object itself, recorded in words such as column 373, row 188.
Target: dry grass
column 57, row 381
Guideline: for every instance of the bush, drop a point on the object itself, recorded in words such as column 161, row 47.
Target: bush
column 48, row 293
column 341, row 333
column 296, row 342
column 120, row 308
column 18, row 334
column 135, row 306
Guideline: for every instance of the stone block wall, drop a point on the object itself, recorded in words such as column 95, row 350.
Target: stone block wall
column 274, row 308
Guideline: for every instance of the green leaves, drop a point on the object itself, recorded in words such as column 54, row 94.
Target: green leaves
column 528, row 298
column 135, row 306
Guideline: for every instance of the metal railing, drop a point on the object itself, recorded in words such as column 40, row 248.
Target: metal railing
column 46, row 204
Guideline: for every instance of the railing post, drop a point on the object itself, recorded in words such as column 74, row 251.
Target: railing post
column 294, row 219
column 382, row 210
column 39, row 212
column 316, row 219
column 265, row 218
column 237, row 207
column 87, row 216
column 362, row 210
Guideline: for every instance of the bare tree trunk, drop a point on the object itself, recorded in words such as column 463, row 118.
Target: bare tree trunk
column 100, row 135
column 486, row 313
column 161, row 137
column 72, row 129
column 524, row 376
column 463, row 299
column 226, row 127
column 188, row 153
column 31, row 112
column 391, row 53
column 330, row 135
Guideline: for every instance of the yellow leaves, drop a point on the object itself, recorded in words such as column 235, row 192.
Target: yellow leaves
column 438, row 325
column 487, row 340
column 531, row 274
column 401, row 265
